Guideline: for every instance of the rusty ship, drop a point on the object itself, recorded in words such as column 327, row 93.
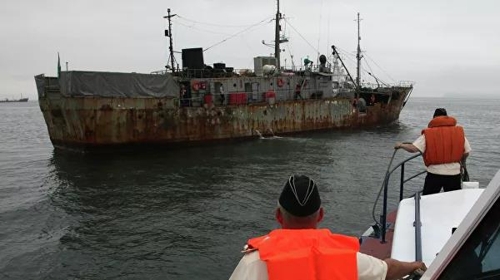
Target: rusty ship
column 197, row 103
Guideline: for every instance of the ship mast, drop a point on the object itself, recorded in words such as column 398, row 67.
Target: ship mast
column 358, row 57
column 277, row 48
column 169, row 34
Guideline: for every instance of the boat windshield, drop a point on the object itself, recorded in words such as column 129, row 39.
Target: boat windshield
column 479, row 256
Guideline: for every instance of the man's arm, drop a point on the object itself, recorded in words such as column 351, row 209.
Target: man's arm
column 407, row 147
column 467, row 149
column 250, row 267
column 464, row 157
column 398, row 269
column 371, row 268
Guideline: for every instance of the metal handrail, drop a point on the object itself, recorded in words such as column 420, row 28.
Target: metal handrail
column 383, row 217
column 283, row 94
column 418, row 229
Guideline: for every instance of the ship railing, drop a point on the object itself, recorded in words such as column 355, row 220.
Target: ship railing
column 230, row 72
column 314, row 68
column 198, row 99
column 227, row 72
column 385, row 186
column 249, row 97
column 398, row 84
column 160, row 72
column 370, row 85
column 406, row 83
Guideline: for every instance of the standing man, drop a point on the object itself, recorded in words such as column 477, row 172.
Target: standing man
column 444, row 147
column 222, row 94
column 298, row 88
column 300, row 251
column 184, row 96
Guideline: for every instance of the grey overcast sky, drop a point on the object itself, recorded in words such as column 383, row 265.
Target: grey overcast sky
column 446, row 47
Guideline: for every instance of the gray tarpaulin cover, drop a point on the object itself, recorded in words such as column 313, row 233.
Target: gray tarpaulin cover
column 109, row 84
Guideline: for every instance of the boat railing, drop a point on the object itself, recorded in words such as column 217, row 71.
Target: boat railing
column 402, row 181
column 418, row 228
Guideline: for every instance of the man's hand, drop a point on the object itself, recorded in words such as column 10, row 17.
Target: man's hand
column 420, row 268
column 398, row 145
column 398, row 269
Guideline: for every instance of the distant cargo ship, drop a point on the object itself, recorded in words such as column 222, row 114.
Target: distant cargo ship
column 197, row 103
column 14, row 100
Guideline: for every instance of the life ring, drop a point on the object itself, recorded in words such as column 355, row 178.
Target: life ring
column 196, row 86
column 280, row 82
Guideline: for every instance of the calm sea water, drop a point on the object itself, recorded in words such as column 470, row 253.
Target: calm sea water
column 186, row 214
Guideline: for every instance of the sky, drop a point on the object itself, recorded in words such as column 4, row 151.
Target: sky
column 447, row 48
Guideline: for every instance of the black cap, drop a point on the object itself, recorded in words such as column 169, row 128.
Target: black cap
column 300, row 196
column 440, row 112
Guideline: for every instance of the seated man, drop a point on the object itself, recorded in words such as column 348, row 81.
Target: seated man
column 301, row 251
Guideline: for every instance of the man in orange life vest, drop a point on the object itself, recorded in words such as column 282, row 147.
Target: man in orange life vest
column 300, row 251
column 444, row 146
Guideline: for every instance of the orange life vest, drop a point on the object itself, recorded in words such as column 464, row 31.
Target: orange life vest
column 444, row 141
column 307, row 254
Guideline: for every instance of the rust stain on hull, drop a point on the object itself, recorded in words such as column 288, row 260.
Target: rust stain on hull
column 82, row 122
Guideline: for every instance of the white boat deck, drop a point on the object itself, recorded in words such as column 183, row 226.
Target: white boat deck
column 439, row 214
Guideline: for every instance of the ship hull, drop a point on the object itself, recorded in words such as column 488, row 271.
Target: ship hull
column 99, row 123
